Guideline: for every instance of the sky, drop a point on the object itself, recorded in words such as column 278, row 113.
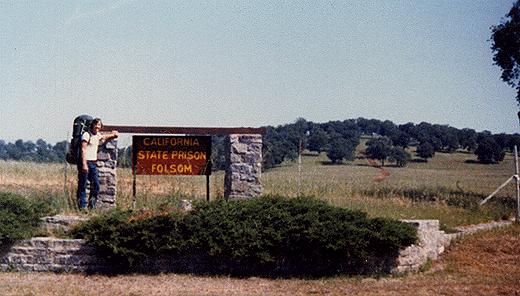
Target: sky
column 249, row 64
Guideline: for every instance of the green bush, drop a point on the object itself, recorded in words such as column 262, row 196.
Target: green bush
column 270, row 236
column 19, row 217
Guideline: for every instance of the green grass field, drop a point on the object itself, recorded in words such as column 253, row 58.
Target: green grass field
column 447, row 187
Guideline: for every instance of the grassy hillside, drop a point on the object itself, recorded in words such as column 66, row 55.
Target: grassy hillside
column 447, row 187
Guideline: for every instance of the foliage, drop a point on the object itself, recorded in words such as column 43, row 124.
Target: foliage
column 281, row 143
column 506, row 47
column 379, row 148
column 467, row 139
column 488, row 151
column 29, row 151
column 218, row 157
column 271, row 236
column 425, row 150
column 19, row 217
column 399, row 156
column 340, row 149
column 318, row 140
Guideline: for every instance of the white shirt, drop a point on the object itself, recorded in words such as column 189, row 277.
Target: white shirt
column 92, row 145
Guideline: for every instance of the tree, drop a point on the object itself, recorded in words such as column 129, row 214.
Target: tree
column 3, row 150
column 488, row 151
column 401, row 139
column 399, row 156
column 60, row 149
column 425, row 150
column 468, row 139
column 318, row 140
column 339, row 149
column 506, row 47
column 379, row 148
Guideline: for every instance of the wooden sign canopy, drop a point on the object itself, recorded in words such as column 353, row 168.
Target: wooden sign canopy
column 184, row 130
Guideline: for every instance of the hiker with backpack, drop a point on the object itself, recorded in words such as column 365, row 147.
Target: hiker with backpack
column 86, row 162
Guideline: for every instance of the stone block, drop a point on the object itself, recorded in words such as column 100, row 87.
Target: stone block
column 239, row 148
column 235, row 158
column 252, row 158
column 250, row 139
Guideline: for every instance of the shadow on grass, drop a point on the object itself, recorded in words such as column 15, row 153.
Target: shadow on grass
column 419, row 160
column 328, row 162
column 476, row 161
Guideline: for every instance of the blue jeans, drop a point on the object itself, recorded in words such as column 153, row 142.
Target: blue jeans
column 93, row 177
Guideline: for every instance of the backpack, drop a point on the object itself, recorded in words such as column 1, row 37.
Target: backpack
column 81, row 125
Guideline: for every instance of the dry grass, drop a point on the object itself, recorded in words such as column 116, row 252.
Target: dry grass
column 482, row 264
column 342, row 185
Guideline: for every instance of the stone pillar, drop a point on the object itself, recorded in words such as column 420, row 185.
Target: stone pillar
column 107, row 165
column 243, row 166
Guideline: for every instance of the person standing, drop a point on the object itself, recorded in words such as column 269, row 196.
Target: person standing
column 87, row 168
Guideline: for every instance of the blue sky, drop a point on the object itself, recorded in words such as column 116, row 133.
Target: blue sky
column 249, row 63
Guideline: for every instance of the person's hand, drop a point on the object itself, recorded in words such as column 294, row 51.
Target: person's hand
column 115, row 134
column 84, row 168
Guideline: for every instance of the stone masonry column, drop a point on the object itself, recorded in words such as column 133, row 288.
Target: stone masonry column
column 107, row 165
column 243, row 166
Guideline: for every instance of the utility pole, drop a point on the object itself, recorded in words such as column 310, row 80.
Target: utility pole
column 299, row 167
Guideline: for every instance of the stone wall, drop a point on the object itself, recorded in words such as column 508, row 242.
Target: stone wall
column 107, row 165
column 244, row 166
column 432, row 242
column 73, row 255
column 51, row 254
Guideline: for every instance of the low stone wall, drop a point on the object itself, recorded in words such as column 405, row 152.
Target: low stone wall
column 51, row 254
column 73, row 255
column 432, row 242
column 61, row 223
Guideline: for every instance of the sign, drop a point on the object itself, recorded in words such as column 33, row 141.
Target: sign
column 171, row 155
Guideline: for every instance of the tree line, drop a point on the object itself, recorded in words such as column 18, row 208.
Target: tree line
column 388, row 142
column 40, row 151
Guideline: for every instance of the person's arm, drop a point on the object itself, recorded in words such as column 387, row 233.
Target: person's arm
column 83, row 158
column 110, row 136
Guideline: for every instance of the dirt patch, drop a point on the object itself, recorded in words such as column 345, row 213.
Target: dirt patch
column 383, row 174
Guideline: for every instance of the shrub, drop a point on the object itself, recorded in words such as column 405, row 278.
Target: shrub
column 270, row 236
column 19, row 217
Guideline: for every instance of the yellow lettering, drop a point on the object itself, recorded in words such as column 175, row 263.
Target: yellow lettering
column 140, row 155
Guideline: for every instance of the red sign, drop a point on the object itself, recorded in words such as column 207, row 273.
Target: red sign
column 171, row 155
